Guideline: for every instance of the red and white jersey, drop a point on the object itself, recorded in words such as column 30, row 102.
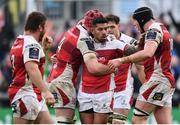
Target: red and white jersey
column 158, row 67
column 75, row 43
column 108, row 50
column 24, row 49
column 124, row 77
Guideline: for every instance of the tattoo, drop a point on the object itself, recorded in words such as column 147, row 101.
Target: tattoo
column 128, row 50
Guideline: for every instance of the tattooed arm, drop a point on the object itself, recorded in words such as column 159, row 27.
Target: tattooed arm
column 129, row 49
column 134, row 45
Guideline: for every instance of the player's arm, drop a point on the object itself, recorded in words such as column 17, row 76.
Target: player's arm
column 31, row 57
column 94, row 67
column 35, row 76
column 152, row 40
column 86, row 47
column 136, row 57
column 134, row 45
column 147, row 52
column 129, row 49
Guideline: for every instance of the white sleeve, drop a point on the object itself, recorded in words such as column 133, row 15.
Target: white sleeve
column 120, row 44
column 154, row 34
column 32, row 52
column 85, row 45
column 128, row 39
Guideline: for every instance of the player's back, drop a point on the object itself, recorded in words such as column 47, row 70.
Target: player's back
column 68, row 50
column 69, row 55
column 17, row 60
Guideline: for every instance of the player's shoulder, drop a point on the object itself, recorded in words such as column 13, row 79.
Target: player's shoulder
column 156, row 27
column 83, row 32
column 84, row 37
column 114, row 43
column 75, row 33
column 125, row 37
column 30, row 41
column 111, row 39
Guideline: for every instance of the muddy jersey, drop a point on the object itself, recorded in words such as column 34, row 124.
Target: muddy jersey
column 158, row 67
column 24, row 49
column 124, row 77
column 108, row 50
column 73, row 45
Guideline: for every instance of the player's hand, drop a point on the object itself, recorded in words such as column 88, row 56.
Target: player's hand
column 54, row 59
column 111, row 69
column 114, row 63
column 49, row 98
column 47, row 42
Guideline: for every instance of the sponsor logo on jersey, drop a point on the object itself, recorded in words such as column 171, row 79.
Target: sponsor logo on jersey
column 151, row 34
column 33, row 53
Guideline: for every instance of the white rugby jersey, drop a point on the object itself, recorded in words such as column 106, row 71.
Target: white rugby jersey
column 24, row 49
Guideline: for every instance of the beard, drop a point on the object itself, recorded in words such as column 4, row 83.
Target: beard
column 41, row 35
column 103, row 38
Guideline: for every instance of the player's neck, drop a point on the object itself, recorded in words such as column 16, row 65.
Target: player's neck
column 148, row 24
column 33, row 34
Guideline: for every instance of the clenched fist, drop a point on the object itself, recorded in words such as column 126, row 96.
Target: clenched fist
column 48, row 96
column 114, row 63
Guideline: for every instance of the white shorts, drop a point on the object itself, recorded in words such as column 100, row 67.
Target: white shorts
column 156, row 92
column 64, row 93
column 28, row 107
column 122, row 99
column 100, row 103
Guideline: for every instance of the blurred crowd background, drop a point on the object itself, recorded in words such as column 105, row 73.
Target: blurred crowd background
column 62, row 14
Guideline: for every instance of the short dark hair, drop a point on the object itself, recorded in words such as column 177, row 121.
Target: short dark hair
column 33, row 21
column 99, row 20
column 113, row 18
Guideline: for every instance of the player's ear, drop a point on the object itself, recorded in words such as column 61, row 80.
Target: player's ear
column 40, row 28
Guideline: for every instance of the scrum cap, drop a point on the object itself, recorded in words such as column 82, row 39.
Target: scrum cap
column 90, row 16
column 143, row 15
